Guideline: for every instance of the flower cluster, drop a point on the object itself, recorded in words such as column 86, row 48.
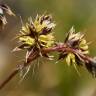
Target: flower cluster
column 4, row 9
column 76, row 42
column 77, row 52
column 36, row 35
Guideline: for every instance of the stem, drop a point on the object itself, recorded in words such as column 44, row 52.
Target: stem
column 16, row 70
column 9, row 78
column 35, row 55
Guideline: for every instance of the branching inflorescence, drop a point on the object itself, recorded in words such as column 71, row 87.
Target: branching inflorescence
column 37, row 38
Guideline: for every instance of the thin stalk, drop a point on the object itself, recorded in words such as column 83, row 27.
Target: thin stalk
column 35, row 55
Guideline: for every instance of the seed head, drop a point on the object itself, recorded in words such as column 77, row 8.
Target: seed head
column 37, row 34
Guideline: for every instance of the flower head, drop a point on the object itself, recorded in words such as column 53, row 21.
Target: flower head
column 75, row 51
column 37, row 34
column 77, row 41
column 4, row 9
column 76, row 48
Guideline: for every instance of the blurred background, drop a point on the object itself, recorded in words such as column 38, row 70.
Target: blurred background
column 48, row 78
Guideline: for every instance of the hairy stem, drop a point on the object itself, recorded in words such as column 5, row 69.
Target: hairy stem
column 16, row 70
column 35, row 55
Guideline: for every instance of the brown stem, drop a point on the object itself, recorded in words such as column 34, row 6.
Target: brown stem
column 35, row 55
column 16, row 70
column 9, row 78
